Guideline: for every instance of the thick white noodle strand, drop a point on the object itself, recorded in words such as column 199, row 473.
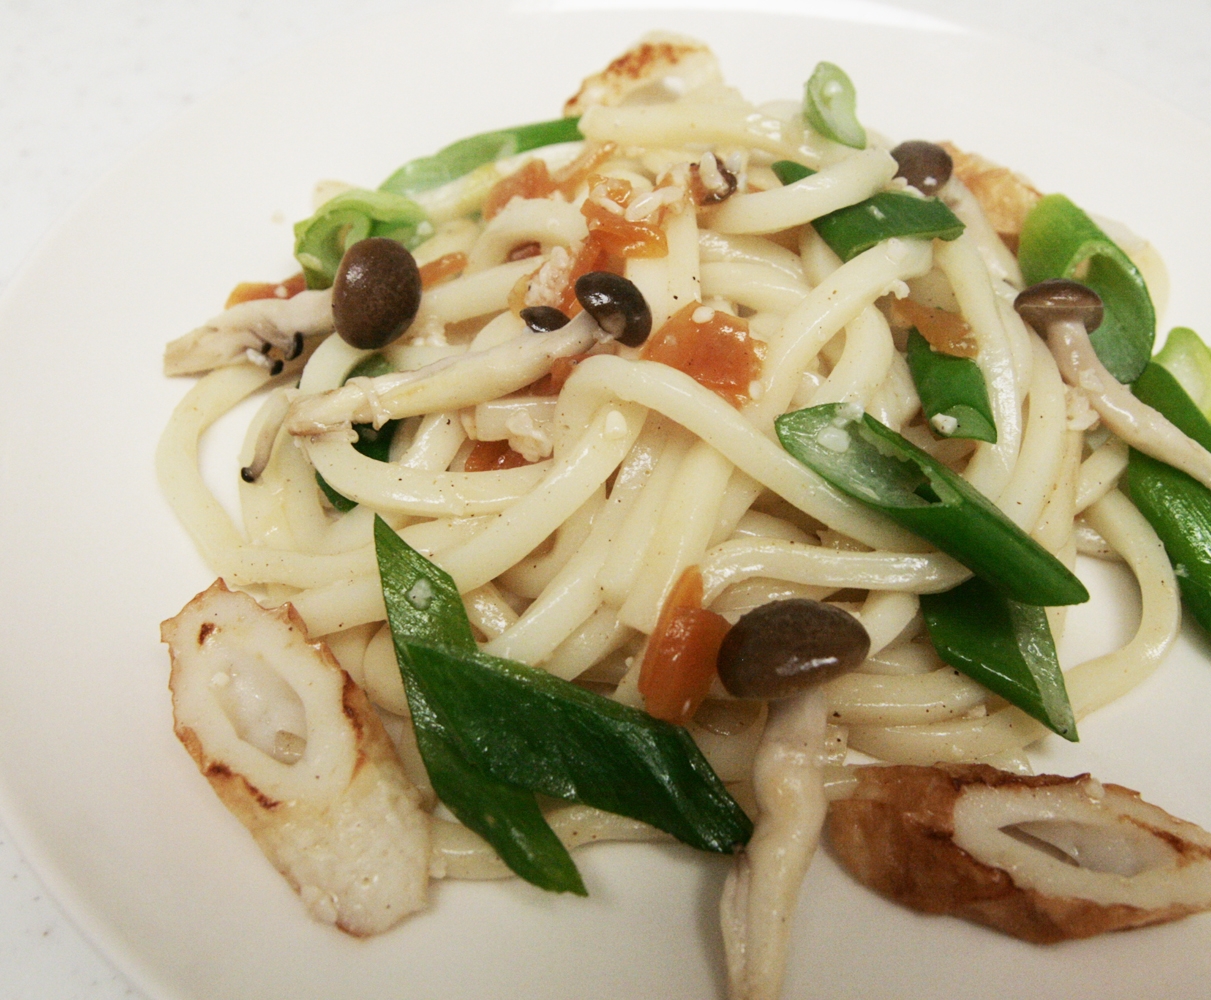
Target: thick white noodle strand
column 687, row 522
column 1099, row 681
column 572, row 478
column 676, row 395
column 742, row 559
column 865, row 361
column 845, row 183
column 1100, row 472
column 836, row 301
column 1043, row 444
column 992, row 464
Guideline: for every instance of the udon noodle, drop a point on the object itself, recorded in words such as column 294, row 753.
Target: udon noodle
column 631, row 470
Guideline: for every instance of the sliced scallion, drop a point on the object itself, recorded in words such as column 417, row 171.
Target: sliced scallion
column 874, row 464
column 830, row 105
column 1059, row 240
column 1004, row 645
column 851, row 230
column 953, row 395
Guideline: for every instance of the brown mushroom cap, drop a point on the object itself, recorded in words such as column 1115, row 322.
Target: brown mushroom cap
column 617, row 304
column 925, row 165
column 787, row 646
column 376, row 294
column 1058, row 300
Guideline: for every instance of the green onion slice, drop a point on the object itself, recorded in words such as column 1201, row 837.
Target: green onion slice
column 830, row 106
column 952, row 390
column 1177, row 506
column 855, row 228
column 1059, row 240
column 1004, row 645
column 879, row 467
column 490, row 728
column 788, row 171
column 1188, row 360
column 321, row 241
column 460, row 158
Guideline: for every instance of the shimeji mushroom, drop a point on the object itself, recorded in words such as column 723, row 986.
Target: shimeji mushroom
column 613, row 309
column 1065, row 313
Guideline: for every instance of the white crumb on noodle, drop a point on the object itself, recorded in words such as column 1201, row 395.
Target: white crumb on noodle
column 1081, row 416
column 647, row 205
column 529, row 438
column 708, row 173
column 600, row 196
column 1090, row 381
column 615, row 426
column 703, row 314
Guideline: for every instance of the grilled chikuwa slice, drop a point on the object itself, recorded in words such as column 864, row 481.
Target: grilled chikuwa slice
column 1044, row 858
column 293, row 748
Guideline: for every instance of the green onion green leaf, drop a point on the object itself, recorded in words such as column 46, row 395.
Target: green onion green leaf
column 879, row 467
column 423, row 606
column 1004, row 645
column 530, row 728
column 1177, row 506
column 1188, row 360
column 321, row 241
column 460, row 158
column 488, row 725
column 788, row 171
column 856, row 228
column 830, row 106
column 1059, row 240
column 953, row 388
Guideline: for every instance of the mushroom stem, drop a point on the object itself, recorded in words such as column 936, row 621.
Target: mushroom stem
column 462, row 380
column 762, row 890
column 262, row 450
column 1135, row 422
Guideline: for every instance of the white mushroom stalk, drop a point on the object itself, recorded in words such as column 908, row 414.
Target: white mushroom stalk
column 1135, row 422
column 267, row 332
column 293, row 748
column 1043, row 858
column 762, row 890
column 447, row 384
column 271, row 423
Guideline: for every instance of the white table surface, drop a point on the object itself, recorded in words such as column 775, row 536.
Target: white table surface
column 83, row 83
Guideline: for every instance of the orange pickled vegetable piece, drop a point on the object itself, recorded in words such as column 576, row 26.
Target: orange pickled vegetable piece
column 593, row 255
column 248, row 291
column 532, row 181
column 946, row 332
column 445, row 267
column 489, row 456
column 717, row 353
column 614, row 232
column 679, row 664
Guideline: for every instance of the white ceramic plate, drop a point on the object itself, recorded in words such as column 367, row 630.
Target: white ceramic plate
column 93, row 784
